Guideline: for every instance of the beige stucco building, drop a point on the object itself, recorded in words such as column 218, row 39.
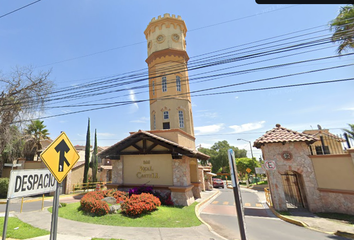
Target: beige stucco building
column 164, row 157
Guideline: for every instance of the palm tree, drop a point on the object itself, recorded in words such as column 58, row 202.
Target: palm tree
column 343, row 26
column 350, row 131
column 36, row 131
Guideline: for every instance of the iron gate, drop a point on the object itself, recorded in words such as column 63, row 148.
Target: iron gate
column 292, row 190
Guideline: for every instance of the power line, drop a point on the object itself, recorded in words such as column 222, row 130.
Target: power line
column 18, row 9
column 199, row 95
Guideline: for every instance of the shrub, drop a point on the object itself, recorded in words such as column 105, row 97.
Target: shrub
column 165, row 199
column 139, row 204
column 4, row 183
column 120, row 196
column 91, row 203
column 140, row 190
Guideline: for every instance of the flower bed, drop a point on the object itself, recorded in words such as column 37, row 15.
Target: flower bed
column 92, row 202
column 139, row 204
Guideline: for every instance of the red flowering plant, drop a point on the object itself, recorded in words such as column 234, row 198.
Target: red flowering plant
column 165, row 199
column 91, row 203
column 139, row 204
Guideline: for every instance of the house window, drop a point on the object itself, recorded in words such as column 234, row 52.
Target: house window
column 165, row 115
column 153, row 88
column 319, row 150
column 178, row 83
column 164, row 84
column 154, row 121
column 166, row 125
column 181, row 119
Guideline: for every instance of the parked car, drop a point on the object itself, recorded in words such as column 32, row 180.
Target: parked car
column 217, row 182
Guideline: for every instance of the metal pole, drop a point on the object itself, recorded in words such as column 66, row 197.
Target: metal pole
column 347, row 139
column 56, row 211
column 6, row 218
column 237, row 195
column 251, row 149
column 54, row 214
column 21, row 205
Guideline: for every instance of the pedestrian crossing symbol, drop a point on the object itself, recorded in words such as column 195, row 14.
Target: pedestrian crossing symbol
column 60, row 157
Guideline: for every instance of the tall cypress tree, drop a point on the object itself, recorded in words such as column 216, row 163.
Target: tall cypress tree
column 87, row 153
column 94, row 159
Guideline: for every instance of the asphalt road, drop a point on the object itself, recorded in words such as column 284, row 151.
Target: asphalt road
column 261, row 223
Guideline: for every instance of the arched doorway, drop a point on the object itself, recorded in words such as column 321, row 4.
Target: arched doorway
column 294, row 190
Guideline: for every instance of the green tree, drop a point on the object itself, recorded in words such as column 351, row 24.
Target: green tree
column 343, row 27
column 244, row 163
column 218, row 155
column 350, row 131
column 36, row 132
column 87, row 153
column 94, row 162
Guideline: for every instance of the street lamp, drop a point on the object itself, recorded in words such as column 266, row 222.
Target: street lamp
column 249, row 143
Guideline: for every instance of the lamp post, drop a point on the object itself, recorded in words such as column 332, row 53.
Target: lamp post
column 249, row 143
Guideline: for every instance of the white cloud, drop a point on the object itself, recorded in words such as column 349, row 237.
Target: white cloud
column 346, row 109
column 247, row 127
column 141, row 120
column 132, row 98
column 236, row 97
column 209, row 129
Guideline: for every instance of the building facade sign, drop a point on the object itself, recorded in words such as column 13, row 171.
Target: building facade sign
column 150, row 169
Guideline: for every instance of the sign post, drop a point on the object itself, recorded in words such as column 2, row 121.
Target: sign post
column 27, row 183
column 59, row 157
column 237, row 195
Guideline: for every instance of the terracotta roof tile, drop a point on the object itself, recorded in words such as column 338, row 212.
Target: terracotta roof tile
column 194, row 152
column 280, row 134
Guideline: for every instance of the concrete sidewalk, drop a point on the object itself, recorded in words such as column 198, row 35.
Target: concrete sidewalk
column 73, row 230
column 304, row 218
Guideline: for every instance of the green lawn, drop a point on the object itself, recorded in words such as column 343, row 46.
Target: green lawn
column 20, row 230
column 173, row 217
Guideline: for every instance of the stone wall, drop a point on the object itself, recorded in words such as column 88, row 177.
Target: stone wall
column 182, row 196
column 299, row 163
column 181, row 172
column 338, row 202
column 117, row 171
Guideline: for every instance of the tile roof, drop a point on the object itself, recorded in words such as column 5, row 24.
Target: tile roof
column 280, row 134
column 191, row 152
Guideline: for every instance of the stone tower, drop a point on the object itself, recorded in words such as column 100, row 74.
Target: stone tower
column 170, row 101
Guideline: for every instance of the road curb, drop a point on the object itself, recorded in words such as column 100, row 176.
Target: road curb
column 288, row 219
column 302, row 224
column 344, row 234
column 197, row 213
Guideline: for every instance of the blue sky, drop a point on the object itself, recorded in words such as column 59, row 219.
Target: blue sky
column 84, row 41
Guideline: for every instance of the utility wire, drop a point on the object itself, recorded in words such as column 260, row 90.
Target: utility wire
column 18, row 9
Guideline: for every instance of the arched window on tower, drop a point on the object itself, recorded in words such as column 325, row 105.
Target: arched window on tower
column 153, row 88
column 178, row 83
column 164, row 84
column 181, row 119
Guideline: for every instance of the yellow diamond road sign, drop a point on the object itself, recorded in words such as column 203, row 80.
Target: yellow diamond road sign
column 60, row 157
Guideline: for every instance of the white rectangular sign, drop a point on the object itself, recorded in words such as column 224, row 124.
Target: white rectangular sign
column 30, row 182
column 259, row 170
